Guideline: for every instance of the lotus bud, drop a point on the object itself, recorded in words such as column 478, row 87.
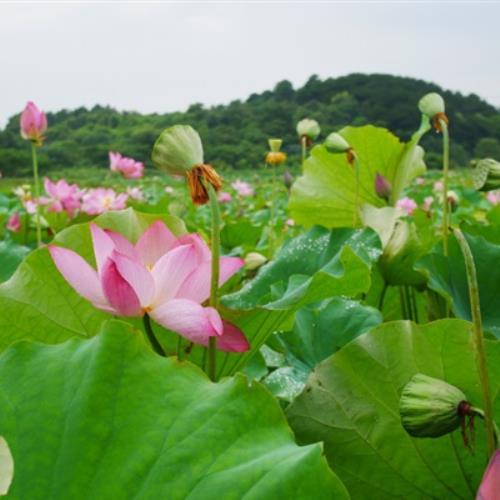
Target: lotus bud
column 287, row 179
column 335, row 143
column 432, row 106
column 275, row 145
column 453, row 199
column 179, row 151
column 490, row 484
column 430, row 407
column 309, row 129
column 33, row 124
column 486, row 174
column 383, row 187
column 254, row 260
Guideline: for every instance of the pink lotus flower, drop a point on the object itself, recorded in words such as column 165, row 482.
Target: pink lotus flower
column 100, row 200
column 31, row 206
column 490, row 485
column 407, row 205
column 128, row 167
column 438, row 186
column 493, row 197
column 14, row 222
column 224, row 197
column 419, row 181
column 135, row 193
column 33, row 123
column 290, row 222
column 428, row 201
column 242, row 188
column 63, row 197
column 162, row 276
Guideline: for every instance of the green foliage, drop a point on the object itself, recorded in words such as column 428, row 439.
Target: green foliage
column 112, row 420
column 351, row 403
column 82, row 138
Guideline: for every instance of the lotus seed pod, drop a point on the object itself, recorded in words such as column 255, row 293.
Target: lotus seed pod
column 308, row 128
column 335, row 143
column 177, row 150
column 383, row 187
column 253, row 260
column 486, row 174
column 431, row 105
column 430, row 407
column 275, row 158
column 275, row 145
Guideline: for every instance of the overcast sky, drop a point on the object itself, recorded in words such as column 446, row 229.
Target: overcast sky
column 164, row 56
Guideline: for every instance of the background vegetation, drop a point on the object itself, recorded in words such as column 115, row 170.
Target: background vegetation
column 235, row 134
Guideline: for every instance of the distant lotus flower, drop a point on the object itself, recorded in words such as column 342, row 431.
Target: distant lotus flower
column 490, row 484
column 135, row 193
column 63, row 197
column 438, row 186
column 100, row 200
column 33, row 124
column 407, row 205
column 169, row 190
column 428, row 201
column 383, row 187
column 242, row 188
column 493, row 197
column 30, row 206
column 162, row 276
column 224, row 197
column 309, row 129
column 14, row 222
column 290, row 222
column 419, row 181
column 128, row 167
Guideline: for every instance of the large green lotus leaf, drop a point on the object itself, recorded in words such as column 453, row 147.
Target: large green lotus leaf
column 351, row 403
column 107, row 418
column 6, row 467
column 325, row 194
column 37, row 303
column 11, row 255
column 314, row 266
column 447, row 277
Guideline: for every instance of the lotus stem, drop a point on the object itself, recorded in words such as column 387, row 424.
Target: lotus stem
column 303, row 142
column 470, row 269
column 214, row 280
column 446, row 164
column 36, row 182
column 356, row 195
column 274, row 199
column 151, row 336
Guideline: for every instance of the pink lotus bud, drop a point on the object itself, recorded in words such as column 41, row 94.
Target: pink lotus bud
column 14, row 222
column 33, row 124
column 383, row 187
column 490, row 485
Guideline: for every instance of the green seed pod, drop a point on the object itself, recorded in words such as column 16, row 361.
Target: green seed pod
column 335, row 143
column 308, row 128
column 486, row 174
column 430, row 407
column 431, row 105
column 177, row 150
column 275, row 145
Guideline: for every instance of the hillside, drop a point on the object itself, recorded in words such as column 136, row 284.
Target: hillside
column 235, row 134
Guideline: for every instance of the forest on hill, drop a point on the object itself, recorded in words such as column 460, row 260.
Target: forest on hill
column 235, row 135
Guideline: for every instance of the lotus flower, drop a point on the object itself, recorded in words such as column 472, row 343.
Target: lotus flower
column 14, row 222
column 224, row 197
column 136, row 193
column 493, row 197
column 490, row 485
column 407, row 205
column 428, row 201
column 33, row 123
column 242, row 188
column 128, row 167
column 165, row 277
column 100, row 200
column 63, row 197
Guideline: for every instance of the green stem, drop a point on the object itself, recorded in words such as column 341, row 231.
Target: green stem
column 274, row 199
column 413, row 296
column 402, row 302
column 356, row 195
column 179, row 347
column 36, row 182
column 303, row 142
column 470, row 269
column 214, row 280
column 382, row 296
column 151, row 336
column 446, row 163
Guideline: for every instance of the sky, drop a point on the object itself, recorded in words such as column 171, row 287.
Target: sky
column 161, row 57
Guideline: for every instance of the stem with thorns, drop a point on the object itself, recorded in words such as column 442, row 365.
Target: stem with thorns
column 36, row 182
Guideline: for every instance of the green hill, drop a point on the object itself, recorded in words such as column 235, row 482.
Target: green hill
column 235, row 135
